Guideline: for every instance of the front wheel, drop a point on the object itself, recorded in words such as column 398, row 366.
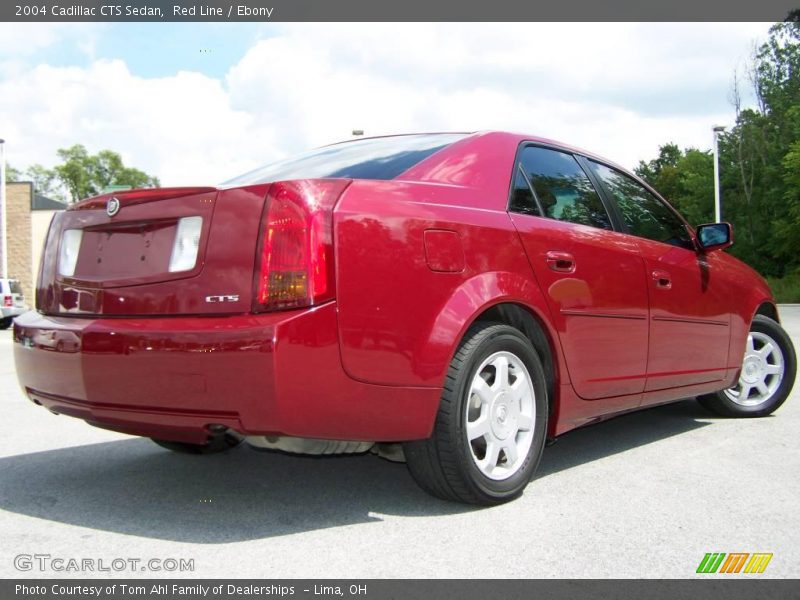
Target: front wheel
column 492, row 421
column 767, row 376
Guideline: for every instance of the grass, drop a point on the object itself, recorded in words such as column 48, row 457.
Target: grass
column 787, row 289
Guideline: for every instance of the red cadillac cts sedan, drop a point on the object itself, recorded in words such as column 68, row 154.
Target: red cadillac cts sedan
column 450, row 299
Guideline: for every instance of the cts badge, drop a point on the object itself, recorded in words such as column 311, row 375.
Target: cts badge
column 227, row 298
column 112, row 207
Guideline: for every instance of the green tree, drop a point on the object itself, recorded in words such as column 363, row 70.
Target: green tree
column 685, row 178
column 13, row 174
column 81, row 175
column 696, row 202
column 85, row 175
column 661, row 172
column 758, row 150
column 787, row 225
column 759, row 162
column 45, row 181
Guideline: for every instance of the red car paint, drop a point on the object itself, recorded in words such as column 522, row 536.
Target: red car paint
column 417, row 259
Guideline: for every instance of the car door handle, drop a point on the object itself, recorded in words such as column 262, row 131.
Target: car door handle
column 662, row 279
column 561, row 262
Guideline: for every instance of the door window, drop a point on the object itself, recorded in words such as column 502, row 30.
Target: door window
column 643, row 213
column 522, row 200
column 561, row 187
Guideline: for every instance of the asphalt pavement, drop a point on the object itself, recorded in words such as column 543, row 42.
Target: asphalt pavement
column 642, row 495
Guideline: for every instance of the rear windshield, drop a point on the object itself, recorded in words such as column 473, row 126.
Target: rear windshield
column 14, row 286
column 372, row 158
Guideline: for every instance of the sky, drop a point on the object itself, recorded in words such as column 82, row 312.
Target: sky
column 196, row 103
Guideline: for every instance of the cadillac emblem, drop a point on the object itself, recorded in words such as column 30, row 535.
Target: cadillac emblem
column 112, row 207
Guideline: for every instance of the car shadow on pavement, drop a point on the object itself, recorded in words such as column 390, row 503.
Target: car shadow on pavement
column 621, row 434
column 136, row 488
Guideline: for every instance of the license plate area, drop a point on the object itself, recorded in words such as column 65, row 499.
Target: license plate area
column 125, row 251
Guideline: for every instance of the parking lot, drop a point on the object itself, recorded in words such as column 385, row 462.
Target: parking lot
column 643, row 495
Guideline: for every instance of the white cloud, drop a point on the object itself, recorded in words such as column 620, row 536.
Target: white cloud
column 181, row 128
column 20, row 42
column 617, row 89
column 26, row 38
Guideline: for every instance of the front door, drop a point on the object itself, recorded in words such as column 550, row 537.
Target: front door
column 689, row 322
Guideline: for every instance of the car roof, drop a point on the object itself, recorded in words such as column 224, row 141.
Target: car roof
column 516, row 136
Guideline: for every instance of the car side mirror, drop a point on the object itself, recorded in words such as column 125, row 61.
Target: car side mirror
column 714, row 236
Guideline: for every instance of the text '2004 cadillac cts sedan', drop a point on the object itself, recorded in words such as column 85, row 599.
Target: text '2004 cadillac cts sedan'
column 461, row 297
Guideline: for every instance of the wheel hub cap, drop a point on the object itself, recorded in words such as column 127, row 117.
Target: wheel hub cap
column 504, row 422
column 751, row 372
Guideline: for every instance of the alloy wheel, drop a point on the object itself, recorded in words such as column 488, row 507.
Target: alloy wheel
column 500, row 413
column 762, row 371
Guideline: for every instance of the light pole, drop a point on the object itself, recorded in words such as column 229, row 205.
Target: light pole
column 717, row 201
column 3, row 228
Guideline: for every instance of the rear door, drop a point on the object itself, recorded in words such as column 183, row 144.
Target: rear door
column 592, row 276
column 689, row 316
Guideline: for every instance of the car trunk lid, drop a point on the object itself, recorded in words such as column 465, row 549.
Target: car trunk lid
column 161, row 251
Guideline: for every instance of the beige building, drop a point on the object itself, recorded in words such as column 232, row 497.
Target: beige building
column 29, row 216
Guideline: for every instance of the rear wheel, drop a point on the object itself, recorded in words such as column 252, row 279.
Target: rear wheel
column 5, row 323
column 492, row 420
column 215, row 445
column 768, row 371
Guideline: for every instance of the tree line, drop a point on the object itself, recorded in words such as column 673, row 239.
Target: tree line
column 759, row 165
column 82, row 175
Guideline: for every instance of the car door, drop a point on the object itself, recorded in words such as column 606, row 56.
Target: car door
column 689, row 318
column 592, row 276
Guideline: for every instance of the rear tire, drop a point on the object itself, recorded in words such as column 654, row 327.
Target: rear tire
column 5, row 323
column 492, row 421
column 768, row 372
column 215, row 445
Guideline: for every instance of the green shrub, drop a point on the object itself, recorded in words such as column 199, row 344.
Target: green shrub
column 787, row 289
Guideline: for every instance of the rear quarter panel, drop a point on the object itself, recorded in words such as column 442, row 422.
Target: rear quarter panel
column 399, row 319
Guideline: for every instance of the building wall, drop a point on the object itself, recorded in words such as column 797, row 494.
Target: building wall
column 27, row 231
column 18, row 212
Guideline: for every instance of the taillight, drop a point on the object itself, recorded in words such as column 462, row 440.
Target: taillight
column 8, row 301
column 294, row 266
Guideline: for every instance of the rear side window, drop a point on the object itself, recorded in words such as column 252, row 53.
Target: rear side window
column 643, row 214
column 561, row 188
column 522, row 199
column 374, row 158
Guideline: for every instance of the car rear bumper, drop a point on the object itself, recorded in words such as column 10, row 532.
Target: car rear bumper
column 173, row 377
